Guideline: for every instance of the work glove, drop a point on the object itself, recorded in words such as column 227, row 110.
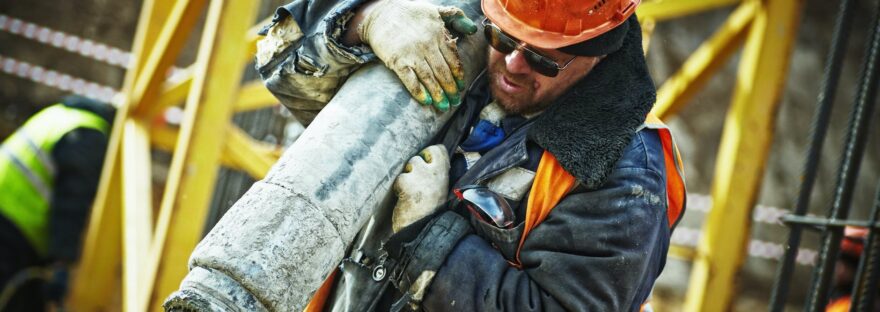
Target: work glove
column 411, row 39
column 421, row 188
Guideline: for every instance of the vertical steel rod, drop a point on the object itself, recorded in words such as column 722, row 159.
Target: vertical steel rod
column 856, row 139
column 821, row 119
column 865, row 290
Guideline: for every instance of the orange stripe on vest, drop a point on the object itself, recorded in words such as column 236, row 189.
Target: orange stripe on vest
column 552, row 183
column 320, row 298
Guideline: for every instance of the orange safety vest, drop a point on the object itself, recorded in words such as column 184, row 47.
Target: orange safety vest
column 552, row 183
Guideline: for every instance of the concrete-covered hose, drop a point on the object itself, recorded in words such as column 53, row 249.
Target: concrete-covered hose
column 278, row 243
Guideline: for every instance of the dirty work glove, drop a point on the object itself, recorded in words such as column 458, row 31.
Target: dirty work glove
column 422, row 186
column 410, row 38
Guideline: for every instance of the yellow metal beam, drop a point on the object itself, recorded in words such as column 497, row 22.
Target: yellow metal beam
column 745, row 144
column 704, row 62
column 174, row 93
column 164, row 52
column 96, row 276
column 681, row 253
column 648, row 26
column 193, row 171
column 240, row 152
column 662, row 10
column 252, row 37
column 254, row 96
column 250, row 155
column 137, row 215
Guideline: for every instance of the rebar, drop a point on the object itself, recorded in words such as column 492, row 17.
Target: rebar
column 818, row 131
column 856, row 139
column 865, row 291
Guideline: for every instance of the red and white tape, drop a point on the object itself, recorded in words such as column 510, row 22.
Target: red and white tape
column 62, row 40
column 690, row 237
column 55, row 79
column 764, row 214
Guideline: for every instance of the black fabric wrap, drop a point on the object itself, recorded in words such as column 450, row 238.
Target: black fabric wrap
column 436, row 238
column 589, row 126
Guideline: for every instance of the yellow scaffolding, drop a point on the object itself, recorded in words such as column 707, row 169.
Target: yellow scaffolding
column 152, row 257
column 121, row 230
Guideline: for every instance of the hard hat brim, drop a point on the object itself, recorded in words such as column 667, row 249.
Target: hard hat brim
column 498, row 15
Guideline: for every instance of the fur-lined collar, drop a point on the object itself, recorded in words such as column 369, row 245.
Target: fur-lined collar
column 588, row 128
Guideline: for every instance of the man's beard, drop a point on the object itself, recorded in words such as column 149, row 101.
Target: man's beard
column 522, row 103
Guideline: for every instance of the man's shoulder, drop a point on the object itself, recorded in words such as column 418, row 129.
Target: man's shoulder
column 645, row 151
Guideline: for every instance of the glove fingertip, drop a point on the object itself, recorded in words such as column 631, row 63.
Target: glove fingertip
column 465, row 25
column 443, row 105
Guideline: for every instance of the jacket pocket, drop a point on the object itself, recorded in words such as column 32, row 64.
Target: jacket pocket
column 505, row 240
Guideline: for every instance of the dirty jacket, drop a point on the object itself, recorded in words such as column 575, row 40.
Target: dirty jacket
column 600, row 249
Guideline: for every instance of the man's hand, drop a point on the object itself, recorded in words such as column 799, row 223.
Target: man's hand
column 422, row 186
column 412, row 40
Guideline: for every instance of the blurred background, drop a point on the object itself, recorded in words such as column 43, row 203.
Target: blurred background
column 50, row 49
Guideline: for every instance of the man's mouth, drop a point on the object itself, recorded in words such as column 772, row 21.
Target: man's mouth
column 508, row 86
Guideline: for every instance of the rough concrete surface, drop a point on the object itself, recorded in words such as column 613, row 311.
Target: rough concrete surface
column 286, row 234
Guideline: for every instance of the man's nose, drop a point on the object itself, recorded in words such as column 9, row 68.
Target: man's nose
column 516, row 63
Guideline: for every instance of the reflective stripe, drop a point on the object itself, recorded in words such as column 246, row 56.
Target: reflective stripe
column 44, row 159
column 35, row 181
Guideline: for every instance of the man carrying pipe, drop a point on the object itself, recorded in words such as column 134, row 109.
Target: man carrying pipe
column 550, row 188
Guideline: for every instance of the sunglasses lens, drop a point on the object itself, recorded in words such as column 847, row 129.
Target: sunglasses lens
column 506, row 45
column 541, row 64
column 498, row 40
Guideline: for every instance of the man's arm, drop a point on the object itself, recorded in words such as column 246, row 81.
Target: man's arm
column 312, row 47
column 301, row 60
column 79, row 156
column 597, row 251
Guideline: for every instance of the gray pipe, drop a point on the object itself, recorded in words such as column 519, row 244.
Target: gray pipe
column 279, row 242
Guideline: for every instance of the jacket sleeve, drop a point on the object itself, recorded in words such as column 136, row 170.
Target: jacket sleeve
column 301, row 59
column 79, row 156
column 597, row 251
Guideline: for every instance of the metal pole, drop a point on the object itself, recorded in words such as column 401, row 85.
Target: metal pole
column 821, row 119
column 278, row 243
column 856, row 138
column 865, row 291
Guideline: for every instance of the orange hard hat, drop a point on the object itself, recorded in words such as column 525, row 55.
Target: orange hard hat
column 552, row 24
column 853, row 242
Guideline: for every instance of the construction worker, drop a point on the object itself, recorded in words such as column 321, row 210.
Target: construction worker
column 49, row 172
column 550, row 188
column 852, row 247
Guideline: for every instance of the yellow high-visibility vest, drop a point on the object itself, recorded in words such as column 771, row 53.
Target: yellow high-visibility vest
column 27, row 170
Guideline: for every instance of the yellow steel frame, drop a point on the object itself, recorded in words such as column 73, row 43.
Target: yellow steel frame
column 745, row 145
column 152, row 257
column 122, row 234
column 767, row 28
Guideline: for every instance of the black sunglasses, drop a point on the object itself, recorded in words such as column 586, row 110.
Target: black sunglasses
column 486, row 205
column 506, row 44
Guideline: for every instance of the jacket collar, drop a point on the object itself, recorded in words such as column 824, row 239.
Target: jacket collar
column 589, row 126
